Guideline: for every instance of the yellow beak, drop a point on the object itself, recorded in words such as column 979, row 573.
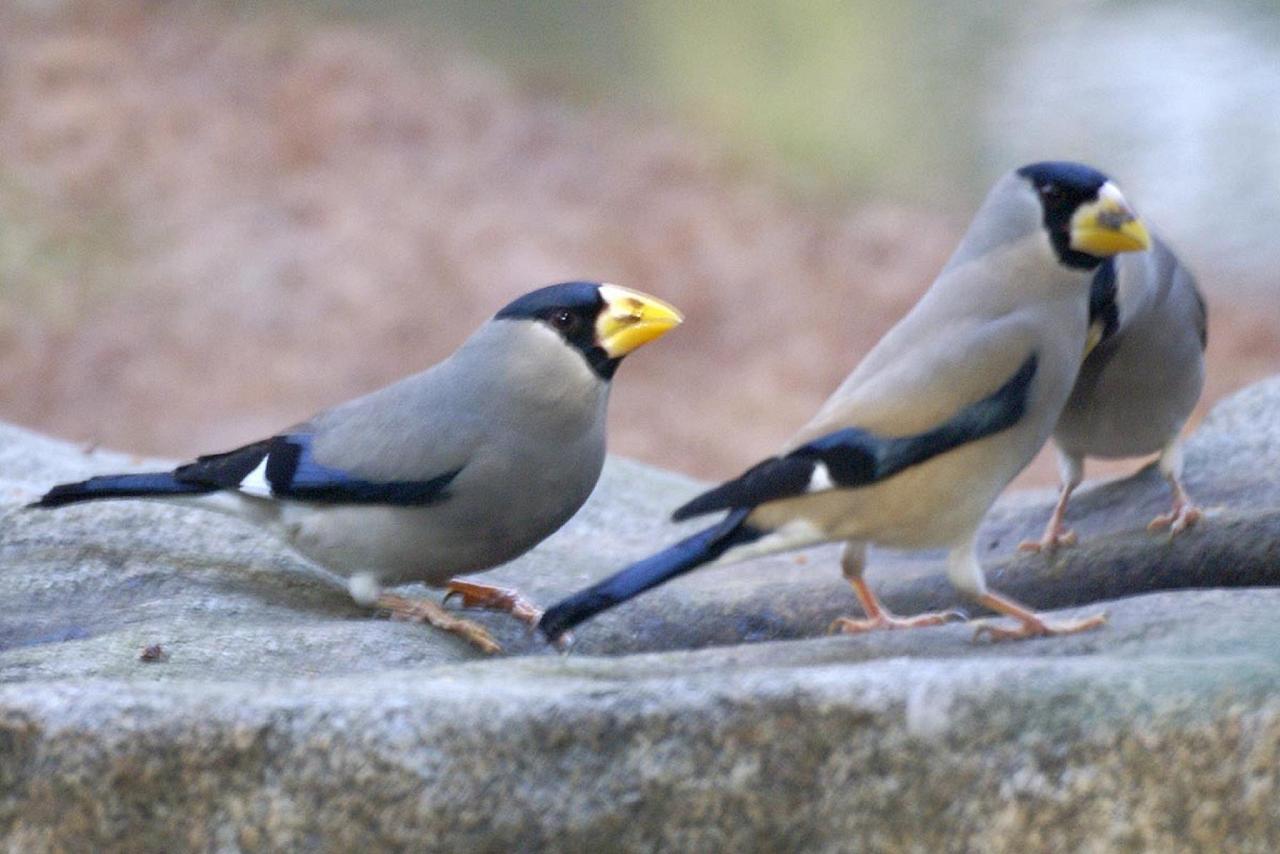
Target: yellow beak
column 630, row 319
column 1108, row 226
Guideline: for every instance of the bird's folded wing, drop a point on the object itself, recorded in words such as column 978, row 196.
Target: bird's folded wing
column 284, row 466
column 856, row 456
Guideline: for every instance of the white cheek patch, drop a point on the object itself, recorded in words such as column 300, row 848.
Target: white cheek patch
column 255, row 482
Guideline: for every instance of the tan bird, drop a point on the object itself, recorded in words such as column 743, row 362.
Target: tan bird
column 913, row 448
column 1137, row 387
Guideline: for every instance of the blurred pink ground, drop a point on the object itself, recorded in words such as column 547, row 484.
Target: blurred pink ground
column 211, row 227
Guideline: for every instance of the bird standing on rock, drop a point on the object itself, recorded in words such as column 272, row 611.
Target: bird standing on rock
column 1137, row 387
column 454, row 470
column 913, row 448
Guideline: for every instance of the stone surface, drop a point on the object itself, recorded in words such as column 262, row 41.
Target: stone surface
column 282, row 715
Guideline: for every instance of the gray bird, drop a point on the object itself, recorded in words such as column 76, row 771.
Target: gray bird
column 454, row 470
column 913, row 448
column 1137, row 387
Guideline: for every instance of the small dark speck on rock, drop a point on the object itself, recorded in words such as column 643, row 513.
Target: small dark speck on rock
column 153, row 653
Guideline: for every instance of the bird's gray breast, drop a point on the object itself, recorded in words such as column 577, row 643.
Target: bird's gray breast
column 1137, row 388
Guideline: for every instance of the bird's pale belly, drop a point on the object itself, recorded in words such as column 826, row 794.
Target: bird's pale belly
column 934, row 505
column 472, row 530
column 403, row 544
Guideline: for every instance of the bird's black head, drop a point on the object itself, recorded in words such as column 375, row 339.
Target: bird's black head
column 603, row 322
column 1063, row 188
column 1085, row 215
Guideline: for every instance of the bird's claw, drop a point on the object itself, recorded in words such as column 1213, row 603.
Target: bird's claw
column 1038, row 628
column 476, row 635
column 1051, row 541
column 489, row 598
column 885, row 620
column 1177, row 520
column 423, row 611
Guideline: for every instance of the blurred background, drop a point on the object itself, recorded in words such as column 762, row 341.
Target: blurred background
column 218, row 217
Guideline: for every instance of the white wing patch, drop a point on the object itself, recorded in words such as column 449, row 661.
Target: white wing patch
column 255, row 482
column 820, row 480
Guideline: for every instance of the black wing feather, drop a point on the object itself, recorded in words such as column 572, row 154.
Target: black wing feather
column 292, row 472
column 225, row 470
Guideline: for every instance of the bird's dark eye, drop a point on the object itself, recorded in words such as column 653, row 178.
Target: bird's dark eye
column 564, row 320
column 1050, row 191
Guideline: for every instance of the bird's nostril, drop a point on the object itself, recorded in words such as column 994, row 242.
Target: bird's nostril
column 1114, row 219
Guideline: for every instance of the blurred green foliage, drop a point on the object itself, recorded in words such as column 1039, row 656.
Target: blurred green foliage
column 38, row 255
column 854, row 94
column 916, row 100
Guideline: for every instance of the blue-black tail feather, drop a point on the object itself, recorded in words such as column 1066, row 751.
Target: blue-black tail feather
column 690, row 553
column 120, row 486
